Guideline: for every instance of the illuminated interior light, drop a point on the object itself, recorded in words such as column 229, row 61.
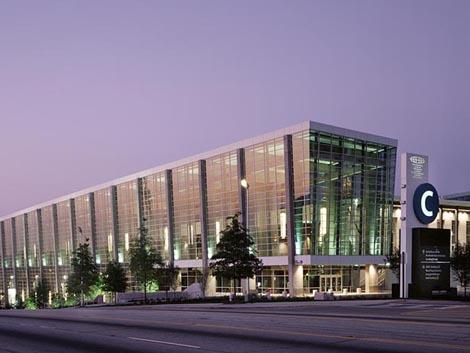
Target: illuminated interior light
column 110, row 243
column 323, row 221
column 165, row 231
column 126, row 241
column 191, row 234
column 283, row 220
column 448, row 216
column 217, row 232
column 397, row 213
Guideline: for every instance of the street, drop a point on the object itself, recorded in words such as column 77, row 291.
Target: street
column 341, row 326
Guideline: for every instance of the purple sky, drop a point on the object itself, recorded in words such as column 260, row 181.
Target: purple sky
column 94, row 90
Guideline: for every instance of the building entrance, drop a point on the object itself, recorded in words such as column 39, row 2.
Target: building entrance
column 332, row 282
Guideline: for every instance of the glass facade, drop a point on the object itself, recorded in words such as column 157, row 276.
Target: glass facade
column 63, row 243
column 83, row 219
column 128, row 220
column 273, row 280
column 155, row 211
column 33, row 249
column 8, row 257
column 456, row 219
column 223, row 184
column 64, row 234
column 186, row 205
column 343, row 191
column 20, row 257
column 266, row 197
column 340, row 203
column 48, row 247
column 104, row 239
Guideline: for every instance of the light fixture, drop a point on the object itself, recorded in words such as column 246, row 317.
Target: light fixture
column 126, row 241
column 244, row 183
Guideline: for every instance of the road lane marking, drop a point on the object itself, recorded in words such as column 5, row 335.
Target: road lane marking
column 452, row 307
column 404, row 342
column 164, row 342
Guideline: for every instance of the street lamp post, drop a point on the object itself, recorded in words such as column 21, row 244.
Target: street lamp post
column 244, row 184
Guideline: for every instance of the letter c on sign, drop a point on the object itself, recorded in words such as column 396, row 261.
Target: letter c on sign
column 426, row 203
column 426, row 194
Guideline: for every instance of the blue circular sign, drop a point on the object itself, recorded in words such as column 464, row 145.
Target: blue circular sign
column 426, row 203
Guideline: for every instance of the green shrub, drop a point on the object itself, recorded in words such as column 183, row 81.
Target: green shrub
column 30, row 304
column 58, row 301
column 19, row 302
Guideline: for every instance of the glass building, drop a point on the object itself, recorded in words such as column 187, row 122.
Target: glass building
column 319, row 204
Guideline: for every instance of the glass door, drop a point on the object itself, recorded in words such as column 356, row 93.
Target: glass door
column 332, row 282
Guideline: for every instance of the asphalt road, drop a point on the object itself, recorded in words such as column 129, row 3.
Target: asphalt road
column 349, row 326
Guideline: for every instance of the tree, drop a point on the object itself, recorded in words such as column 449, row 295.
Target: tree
column 460, row 264
column 84, row 273
column 114, row 279
column 41, row 294
column 234, row 258
column 144, row 259
column 393, row 262
column 168, row 277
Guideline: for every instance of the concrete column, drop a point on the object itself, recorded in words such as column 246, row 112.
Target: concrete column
column 2, row 240
column 203, row 217
column 410, row 180
column 211, row 286
column 242, row 192
column 298, row 281
column 13, row 249
column 40, row 236
column 170, row 214
column 295, row 288
column 91, row 204
column 55, row 232
column 140, row 203
column 72, row 224
column 371, row 278
column 26, row 253
column 114, row 212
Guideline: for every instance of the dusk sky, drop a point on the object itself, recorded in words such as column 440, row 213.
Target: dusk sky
column 94, row 90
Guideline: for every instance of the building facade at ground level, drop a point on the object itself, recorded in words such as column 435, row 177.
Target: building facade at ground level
column 319, row 204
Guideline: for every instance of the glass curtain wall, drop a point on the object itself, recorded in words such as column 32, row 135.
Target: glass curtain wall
column 222, row 195
column 128, row 218
column 273, row 280
column 32, row 244
column 20, row 256
column 64, row 243
column 266, row 197
column 186, row 203
column 104, row 227
column 83, row 219
column 48, row 252
column 343, row 190
column 154, row 205
column 8, row 258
